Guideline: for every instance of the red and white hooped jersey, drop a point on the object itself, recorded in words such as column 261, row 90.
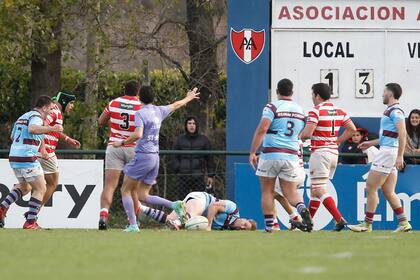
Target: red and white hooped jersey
column 121, row 112
column 51, row 139
column 328, row 119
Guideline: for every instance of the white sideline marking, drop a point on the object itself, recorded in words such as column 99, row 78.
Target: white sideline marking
column 343, row 255
column 312, row 269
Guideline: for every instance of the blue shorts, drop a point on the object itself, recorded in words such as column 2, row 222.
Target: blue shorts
column 144, row 167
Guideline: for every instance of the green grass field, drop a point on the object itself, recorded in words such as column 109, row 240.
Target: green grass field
column 150, row 254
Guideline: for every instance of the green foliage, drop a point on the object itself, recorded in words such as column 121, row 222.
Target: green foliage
column 168, row 84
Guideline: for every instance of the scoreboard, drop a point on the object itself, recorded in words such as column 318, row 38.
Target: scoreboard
column 354, row 46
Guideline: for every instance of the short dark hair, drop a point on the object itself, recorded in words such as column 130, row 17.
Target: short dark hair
column 395, row 89
column 285, row 87
column 323, row 90
column 42, row 101
column 147, row 94
column 132, row 88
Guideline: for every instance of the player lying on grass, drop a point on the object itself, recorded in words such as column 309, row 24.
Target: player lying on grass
column 222, row 214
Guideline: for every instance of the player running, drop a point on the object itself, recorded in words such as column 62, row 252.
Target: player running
column 27, row 135
column 119, row 115
column 278, row 131
column 383, row 172
column 222, row 214
column 322, row 127
column 63, row 102
column 144, row 168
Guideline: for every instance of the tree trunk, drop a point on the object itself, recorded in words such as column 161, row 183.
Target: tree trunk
column 203, row 59
column 46, row 59
column 90, row 124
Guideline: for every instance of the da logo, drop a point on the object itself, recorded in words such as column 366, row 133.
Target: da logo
column 247, row 44
column 322, row 216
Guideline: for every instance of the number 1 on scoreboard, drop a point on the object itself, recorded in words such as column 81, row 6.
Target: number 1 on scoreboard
column 330, row 77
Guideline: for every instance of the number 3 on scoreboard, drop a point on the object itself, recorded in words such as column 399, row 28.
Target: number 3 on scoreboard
column 364, row 83
column 330, row 77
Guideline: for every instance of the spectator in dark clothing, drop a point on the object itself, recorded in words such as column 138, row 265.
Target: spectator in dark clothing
column 413, row 136
column 195, row 172
column 351, row 147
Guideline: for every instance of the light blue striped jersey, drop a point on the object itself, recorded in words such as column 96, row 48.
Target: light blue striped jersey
column 388, row 134
column 24, row 149
column 227, row 217
column 282, row 139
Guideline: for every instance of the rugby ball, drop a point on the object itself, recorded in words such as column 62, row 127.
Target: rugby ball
column 197, row 223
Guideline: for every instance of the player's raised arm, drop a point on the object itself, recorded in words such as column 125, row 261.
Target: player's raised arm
column 212, row 211
column 402, row 134
column 104, row 118
column 191, row 95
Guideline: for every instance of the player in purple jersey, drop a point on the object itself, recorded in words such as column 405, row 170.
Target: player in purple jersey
column 144, row 168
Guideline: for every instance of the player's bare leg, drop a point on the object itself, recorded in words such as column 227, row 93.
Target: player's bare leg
column 388, row 190
column 112, row 177
column 290, row 192
column 38, row 189
column 52, row 183
column 318, row 190
column 267, row 201
column 18, row 191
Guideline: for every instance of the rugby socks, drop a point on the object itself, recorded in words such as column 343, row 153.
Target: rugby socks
column 300, row 206
column 294, row 216
column 313, row 206
column 400, row 214
column 269, row 222
column 157, row 200
column 157, row 215
column 329, row 203
column 369, row 217
column 129, row 209
column 11, row 198
column 34, row 207
column 103, row 213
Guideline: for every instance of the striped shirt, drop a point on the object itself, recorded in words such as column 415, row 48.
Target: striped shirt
column 51, row 139
column 328, row 120
column 121, row 113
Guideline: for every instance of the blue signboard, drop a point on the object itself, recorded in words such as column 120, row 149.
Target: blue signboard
column 347, row 189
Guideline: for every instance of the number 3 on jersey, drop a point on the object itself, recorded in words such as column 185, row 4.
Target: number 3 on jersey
column 290, row 126
column 126, row 121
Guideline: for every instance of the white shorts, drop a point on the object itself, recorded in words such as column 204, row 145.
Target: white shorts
column 49, row 165
column 301, row 182
column 201, row 196
column 27, row 175
column 322, row 164
column 287, row 170
column 117, row 158
column 385, row 159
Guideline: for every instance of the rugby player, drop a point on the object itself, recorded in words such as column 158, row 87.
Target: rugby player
column 119, row 115
column 322, row 127
column 63, row 102
column 278, row 132
column 144, row 168
column 390, row 158
column 27, row 135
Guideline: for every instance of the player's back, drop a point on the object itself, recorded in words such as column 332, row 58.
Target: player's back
column 150, row 117
column 328, row 119
column 25, row 145
column 288, row 120
column 227, row 217
column 121, row 113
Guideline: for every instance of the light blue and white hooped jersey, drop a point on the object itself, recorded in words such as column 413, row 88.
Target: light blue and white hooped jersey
column 224, row 219
column 25, row 145
column 388, row 134
column 282, row 139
